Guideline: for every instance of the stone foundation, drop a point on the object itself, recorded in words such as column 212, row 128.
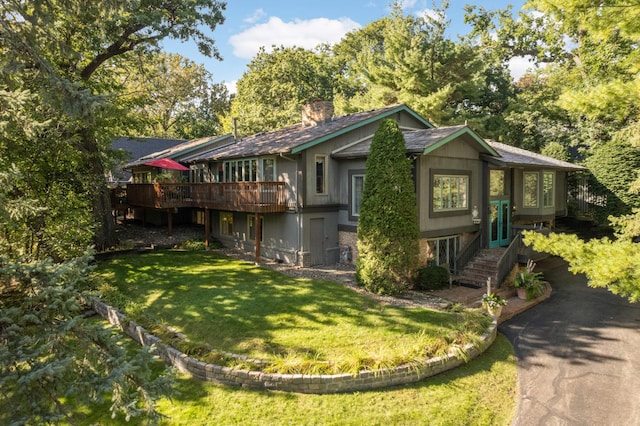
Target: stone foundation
column 348, row 242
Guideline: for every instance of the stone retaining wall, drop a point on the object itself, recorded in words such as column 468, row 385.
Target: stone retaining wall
column 315, row 384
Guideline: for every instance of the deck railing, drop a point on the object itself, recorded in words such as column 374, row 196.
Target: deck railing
column 259, row 197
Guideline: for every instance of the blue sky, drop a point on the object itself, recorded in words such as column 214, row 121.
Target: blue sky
column 253, row 23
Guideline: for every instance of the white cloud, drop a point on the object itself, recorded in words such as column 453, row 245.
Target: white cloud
column 301, row 33
column 231, row 86
column 257, row 15
column 519, row 66
column 430, row 13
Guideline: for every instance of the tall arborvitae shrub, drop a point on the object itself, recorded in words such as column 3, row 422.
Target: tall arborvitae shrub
column 388, row 223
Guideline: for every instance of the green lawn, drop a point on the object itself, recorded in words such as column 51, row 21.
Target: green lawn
column 482, row 392
column 479, row 393
column 299, row 325
column 238, row 307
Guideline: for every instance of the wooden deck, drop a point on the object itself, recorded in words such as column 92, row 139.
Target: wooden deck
column 255, row 197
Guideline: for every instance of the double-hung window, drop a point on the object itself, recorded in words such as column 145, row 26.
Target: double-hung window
column 226, row 224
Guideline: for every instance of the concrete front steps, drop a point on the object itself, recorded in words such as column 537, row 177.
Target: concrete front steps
column 481, row 267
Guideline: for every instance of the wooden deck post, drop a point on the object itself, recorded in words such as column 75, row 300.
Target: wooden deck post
column 257, row 236
column 207, row 227
column 170, row 222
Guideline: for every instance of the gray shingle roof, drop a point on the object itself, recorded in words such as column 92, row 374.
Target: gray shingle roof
column 288, row 139
column 512, row 156
column 139, row 147
column 180, row 151
column 417, row 141
column 135, row 148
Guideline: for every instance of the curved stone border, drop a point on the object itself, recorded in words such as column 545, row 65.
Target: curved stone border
column 300, row 383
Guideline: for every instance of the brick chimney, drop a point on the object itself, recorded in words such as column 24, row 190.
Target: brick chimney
column 317, row 112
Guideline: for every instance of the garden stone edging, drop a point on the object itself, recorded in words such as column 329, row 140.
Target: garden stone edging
column 300, row 383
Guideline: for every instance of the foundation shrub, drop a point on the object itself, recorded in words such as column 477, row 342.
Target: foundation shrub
column 432, row 277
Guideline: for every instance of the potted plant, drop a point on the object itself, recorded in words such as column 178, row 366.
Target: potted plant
column 493, row 304
column 529, row 284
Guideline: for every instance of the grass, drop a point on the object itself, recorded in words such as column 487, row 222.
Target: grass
column 298, row 325
column 482, row 392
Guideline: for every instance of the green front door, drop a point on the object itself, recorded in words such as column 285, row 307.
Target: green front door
column 499, row 223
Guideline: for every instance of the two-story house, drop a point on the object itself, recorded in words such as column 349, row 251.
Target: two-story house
column 294, row 194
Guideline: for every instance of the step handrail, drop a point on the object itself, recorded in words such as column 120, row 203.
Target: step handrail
column 467, row 253
column 509, row 258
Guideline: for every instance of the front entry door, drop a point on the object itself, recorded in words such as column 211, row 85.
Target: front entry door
column 499, row 223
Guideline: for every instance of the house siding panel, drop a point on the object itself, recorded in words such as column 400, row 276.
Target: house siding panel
column 455, row 156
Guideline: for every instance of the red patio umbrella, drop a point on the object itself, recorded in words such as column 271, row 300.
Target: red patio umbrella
column 166, row 163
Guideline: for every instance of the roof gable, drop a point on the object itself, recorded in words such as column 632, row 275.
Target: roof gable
column 299, row 137
column 422, row 142
column 457, row 132
column 382, row 113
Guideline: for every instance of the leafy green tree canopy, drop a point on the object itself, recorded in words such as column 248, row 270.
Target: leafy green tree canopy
column 175, row 97
column 271, row 93
column 59, row 81
column 388, row 222
column 68, row 53
column 408, row 59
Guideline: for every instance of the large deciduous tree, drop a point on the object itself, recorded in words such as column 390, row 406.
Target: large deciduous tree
column 271, row 93
column 66, row 51
column 388, row 221
column 175, row 97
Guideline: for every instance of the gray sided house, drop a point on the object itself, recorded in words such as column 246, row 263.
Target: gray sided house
column 294, row 194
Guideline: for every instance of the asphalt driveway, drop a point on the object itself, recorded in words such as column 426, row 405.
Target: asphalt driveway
column 578, row 355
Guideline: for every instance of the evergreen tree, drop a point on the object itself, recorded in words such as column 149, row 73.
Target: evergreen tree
column 409, row 59
column 615, row 165
column 53, row 359
column 388, row 223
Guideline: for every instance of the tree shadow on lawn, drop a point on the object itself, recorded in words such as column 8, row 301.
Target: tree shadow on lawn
column 239, row 307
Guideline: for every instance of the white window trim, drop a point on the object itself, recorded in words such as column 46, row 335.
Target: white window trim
column 261, row 169
column 233, row 170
